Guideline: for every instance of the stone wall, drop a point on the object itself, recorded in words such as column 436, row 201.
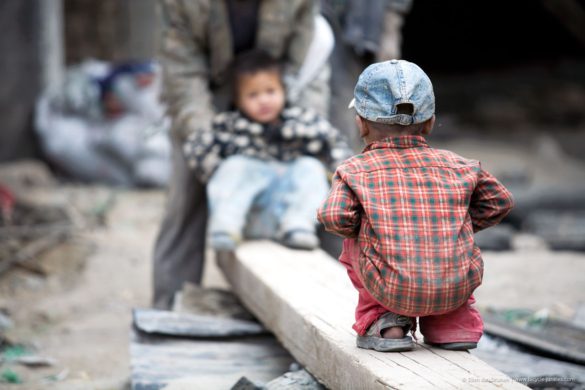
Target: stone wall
column 20, row 76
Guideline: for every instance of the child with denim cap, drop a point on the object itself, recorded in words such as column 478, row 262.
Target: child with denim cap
column 266, row 162
column 409, row 213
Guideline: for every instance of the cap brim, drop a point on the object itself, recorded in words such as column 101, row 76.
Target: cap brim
column 352, row 103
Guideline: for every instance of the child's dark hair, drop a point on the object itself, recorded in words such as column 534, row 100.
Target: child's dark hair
column 250, row 63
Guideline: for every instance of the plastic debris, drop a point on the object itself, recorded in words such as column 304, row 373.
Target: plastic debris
column 10, row 376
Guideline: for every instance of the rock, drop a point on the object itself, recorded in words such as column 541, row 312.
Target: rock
column 36, row 361
column 579, row 317
column 246, row 384
column 501, row 111
column 496, row 238
column 5, row 322
column 297, row 380
column 25, row 174
column 194, row 299
column 532, row 200
column 293, row 380
column 561, row 230
column 516, row 177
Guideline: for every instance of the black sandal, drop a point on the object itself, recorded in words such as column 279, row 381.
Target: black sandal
column 373, row 338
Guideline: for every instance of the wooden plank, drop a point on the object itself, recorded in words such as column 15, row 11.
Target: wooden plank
column 170, row 323
column 561, row 339
column 535, row 371
column 306, row 299
column 180, row 363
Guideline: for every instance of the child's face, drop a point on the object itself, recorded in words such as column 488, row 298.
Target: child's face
column 261, row 96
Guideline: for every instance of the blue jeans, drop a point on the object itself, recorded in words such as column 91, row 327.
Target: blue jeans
column 267, row 198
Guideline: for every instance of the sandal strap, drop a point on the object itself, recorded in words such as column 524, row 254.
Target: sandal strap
column 390, row 320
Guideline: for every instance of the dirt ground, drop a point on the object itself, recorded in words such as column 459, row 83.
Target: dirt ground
column 80, row 313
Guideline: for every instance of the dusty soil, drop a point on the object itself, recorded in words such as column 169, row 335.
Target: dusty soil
column 80, row 313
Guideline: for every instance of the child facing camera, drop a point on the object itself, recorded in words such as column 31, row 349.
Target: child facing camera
column 265, row 163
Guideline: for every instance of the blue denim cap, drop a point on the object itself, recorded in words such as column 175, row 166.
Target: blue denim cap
column 384, row 85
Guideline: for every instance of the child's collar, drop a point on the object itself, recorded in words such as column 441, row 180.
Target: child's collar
column 398, row 142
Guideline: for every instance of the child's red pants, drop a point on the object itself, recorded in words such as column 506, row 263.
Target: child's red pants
column 463, row 324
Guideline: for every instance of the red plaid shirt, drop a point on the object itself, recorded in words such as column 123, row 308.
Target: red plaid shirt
column 414, row 210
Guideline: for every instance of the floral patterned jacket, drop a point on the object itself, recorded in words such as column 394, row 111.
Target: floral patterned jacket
column 301, row 133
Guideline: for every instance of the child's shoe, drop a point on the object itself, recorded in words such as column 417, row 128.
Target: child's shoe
column 374, row 340
column 223, row 241
column 301, row 239
column 456, row 346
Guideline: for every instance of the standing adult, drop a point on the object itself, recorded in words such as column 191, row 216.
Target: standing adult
column 375, row 27
column 199, row 40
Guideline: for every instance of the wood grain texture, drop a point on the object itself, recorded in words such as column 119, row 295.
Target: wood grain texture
column 181, row 363
column 307, row 300
column 163, row 322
